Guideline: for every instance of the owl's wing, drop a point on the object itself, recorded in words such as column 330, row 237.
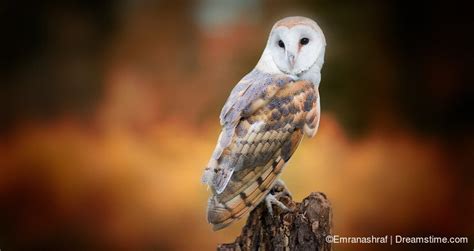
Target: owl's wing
column 267, row 131
column 249, row 94
column 253, row 92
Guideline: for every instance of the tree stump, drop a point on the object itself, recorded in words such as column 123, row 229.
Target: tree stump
column 303, row 228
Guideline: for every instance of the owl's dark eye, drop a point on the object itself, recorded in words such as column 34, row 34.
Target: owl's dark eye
column 281, row 44
column 304, row 41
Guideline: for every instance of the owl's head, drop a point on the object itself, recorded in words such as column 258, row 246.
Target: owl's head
column 295, row 45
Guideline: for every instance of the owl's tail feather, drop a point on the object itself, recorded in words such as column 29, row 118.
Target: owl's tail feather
column 221, row 214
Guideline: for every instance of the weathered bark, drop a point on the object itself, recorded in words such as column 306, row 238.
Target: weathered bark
column 304, row 228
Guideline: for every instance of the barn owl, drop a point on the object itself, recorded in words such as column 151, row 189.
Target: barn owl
column 264, row 120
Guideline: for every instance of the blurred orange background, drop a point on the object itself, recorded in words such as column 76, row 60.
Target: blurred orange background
column 109, row 113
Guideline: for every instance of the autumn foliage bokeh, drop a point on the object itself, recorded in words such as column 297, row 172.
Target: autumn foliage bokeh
column 110, row 113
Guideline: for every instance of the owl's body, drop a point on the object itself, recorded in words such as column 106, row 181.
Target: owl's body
column 263, row 122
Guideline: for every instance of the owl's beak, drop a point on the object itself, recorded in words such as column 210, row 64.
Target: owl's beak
column 291, row 60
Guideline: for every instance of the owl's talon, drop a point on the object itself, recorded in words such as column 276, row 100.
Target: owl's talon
column 271, row 200
column 285, row 191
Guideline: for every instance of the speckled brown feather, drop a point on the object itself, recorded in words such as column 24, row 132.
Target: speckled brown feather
column 261, row 145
